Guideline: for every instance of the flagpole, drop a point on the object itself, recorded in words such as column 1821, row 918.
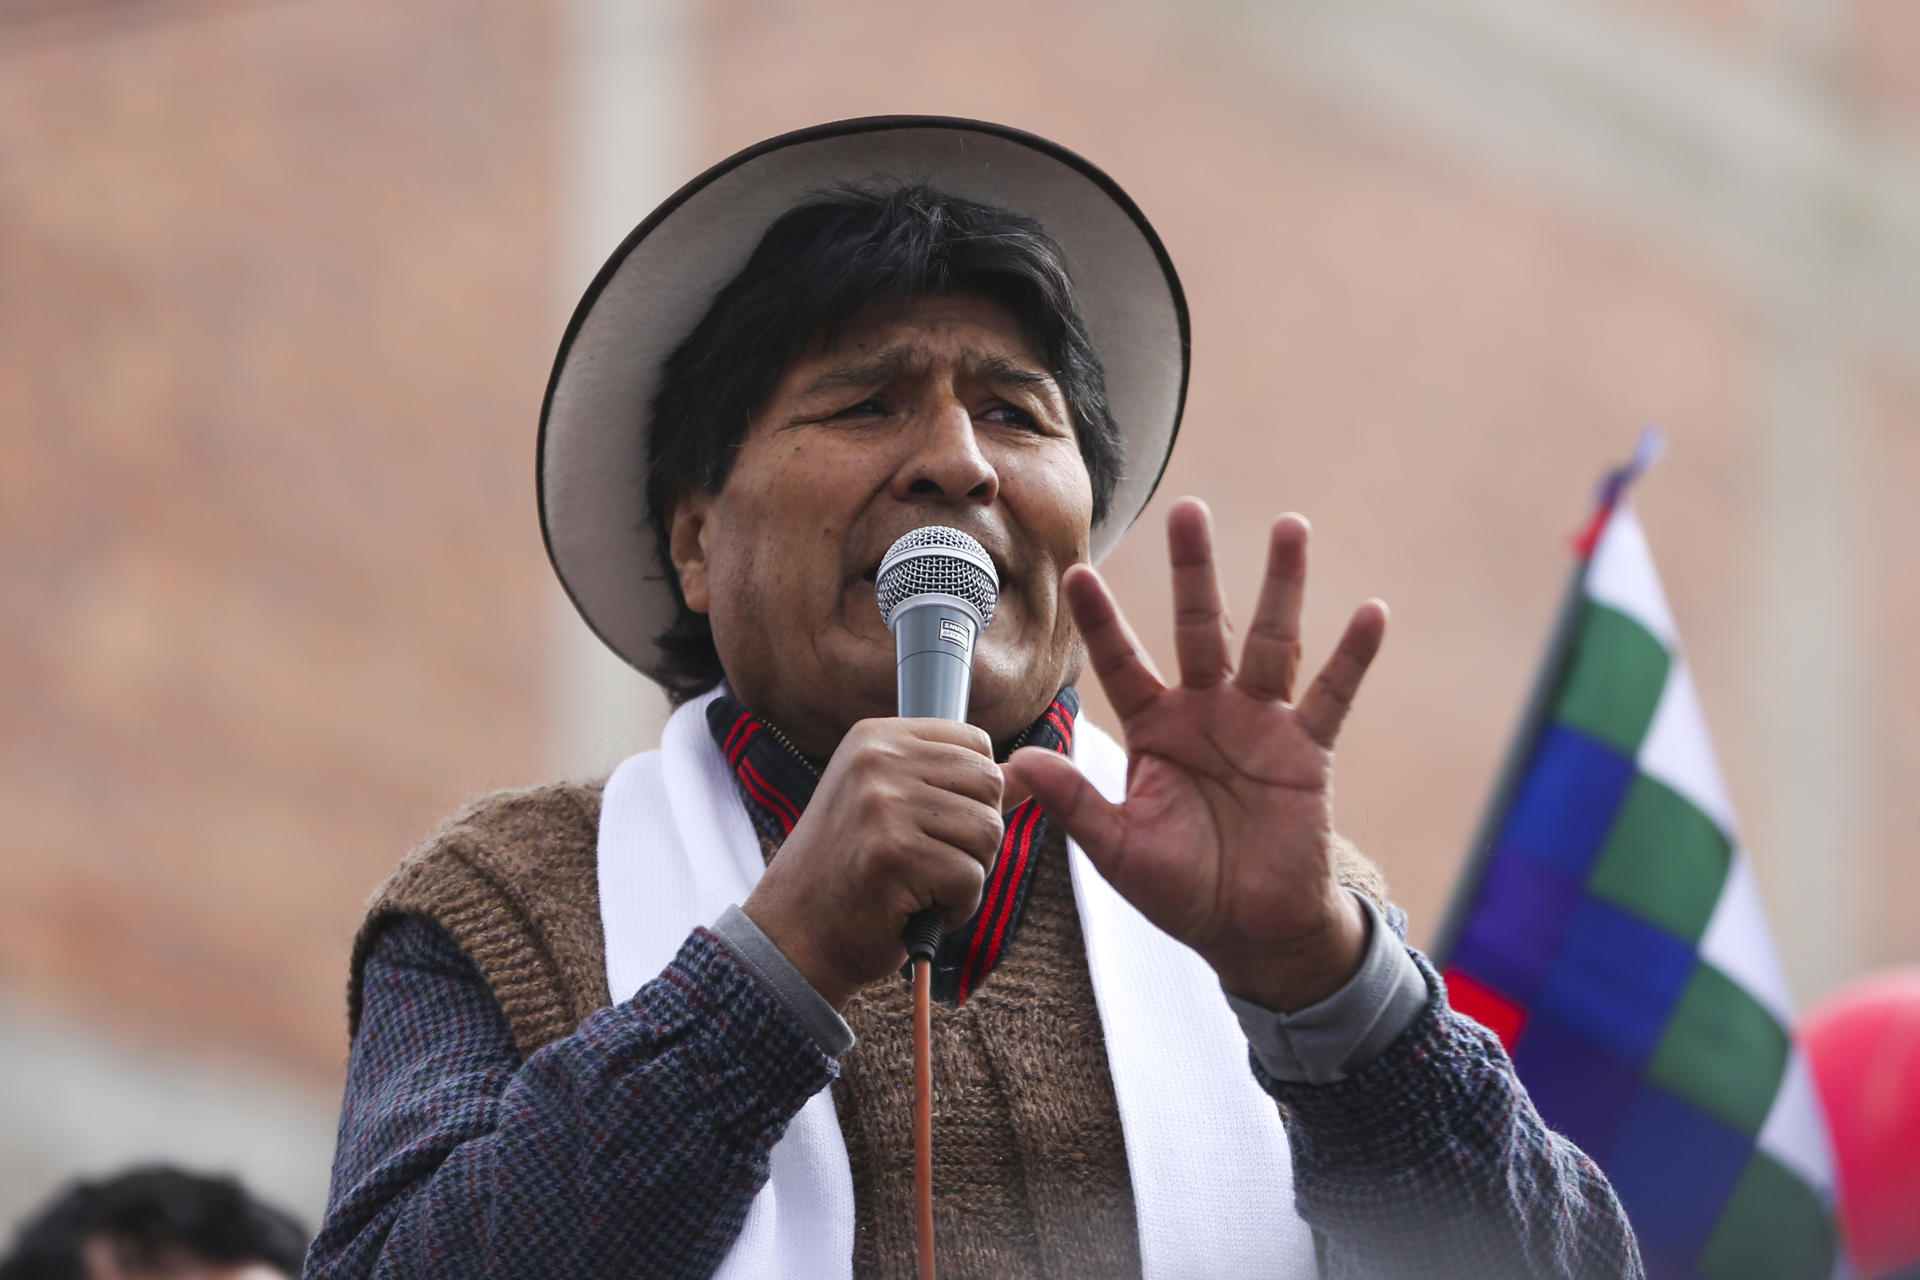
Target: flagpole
column 1613, row 491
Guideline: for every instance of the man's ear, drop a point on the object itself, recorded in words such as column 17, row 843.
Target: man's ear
column 689, row 525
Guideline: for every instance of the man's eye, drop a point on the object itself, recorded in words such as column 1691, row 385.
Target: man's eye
column 867, row 408
column 1011, row 416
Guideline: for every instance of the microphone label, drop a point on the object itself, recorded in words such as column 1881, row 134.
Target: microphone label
column 953, row 632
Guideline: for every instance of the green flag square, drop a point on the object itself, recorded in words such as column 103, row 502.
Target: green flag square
column 1721, row 1050
column 1614, row 680
column 1773, row 1228
column 1664, row 860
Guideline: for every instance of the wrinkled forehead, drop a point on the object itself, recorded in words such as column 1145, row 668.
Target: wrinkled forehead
column 895, row 336
column 930, row 320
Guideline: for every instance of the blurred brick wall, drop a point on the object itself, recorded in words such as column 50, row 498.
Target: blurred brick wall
column 276, row 312
column 275, row 319
column 1884, row 45
column 1895, row 515
column 1721, row 20
column 1871, row 52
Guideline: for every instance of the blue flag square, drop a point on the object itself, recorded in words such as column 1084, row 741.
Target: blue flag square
column 1567, row 802
column 1580, row 1090
column 1617, row 979
column 1675, row 1202
column 1517, row 925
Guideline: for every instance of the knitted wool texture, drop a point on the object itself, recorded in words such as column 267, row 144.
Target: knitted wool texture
column 514, row 879
column 1029, row 1167
column 1029, row 1157
column 460, row 1155
column 631, row 1148
column 1030, row 1164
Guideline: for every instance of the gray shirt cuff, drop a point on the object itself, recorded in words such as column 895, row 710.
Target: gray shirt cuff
column 1351, row 1027
column 756, row 951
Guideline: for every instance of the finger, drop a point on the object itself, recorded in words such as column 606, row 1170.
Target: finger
column 1113, row 651
column 944, row 753
column 1070, row 800
column 1013, row 792
column 956, row 733
column 1331, row 694
column 972, row 826
column 1199, row 614
column 962, row 773
column 1271, row 659
column 953, row 885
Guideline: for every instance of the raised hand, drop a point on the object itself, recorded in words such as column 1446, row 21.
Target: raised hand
column 1225, row 839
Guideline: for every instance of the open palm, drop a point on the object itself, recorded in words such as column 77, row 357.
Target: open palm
column 1225, row 838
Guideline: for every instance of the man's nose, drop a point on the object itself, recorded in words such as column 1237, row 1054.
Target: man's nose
column 945, row 462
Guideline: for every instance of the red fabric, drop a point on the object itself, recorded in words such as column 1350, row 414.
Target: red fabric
column 1487, row 1007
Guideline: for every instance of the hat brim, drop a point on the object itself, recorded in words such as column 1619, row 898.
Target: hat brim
column 591, row 469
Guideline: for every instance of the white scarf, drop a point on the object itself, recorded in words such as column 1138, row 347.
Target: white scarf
column 1212, row 1175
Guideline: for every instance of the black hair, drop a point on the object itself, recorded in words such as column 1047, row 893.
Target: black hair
column 146, row 1215
column 813, row 271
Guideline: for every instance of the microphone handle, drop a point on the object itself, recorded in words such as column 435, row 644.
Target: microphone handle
column 933, row 659
column 933, row 650
column 922, row 934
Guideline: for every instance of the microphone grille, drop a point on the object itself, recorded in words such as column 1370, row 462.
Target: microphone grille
column 936, row 559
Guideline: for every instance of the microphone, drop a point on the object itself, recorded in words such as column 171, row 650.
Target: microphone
column 937, row 590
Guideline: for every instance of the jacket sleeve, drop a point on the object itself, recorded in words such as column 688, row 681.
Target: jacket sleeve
column 1431, row 1162
column 632, row 1147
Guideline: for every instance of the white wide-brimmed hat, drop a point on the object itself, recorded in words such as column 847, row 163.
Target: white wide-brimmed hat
column 592, row 465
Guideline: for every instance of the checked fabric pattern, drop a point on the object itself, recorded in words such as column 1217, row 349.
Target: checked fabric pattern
column 1618, row 946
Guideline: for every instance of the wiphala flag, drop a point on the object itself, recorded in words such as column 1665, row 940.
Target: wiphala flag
column 1610, row 931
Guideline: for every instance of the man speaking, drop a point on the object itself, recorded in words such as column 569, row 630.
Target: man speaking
column 655, row 1026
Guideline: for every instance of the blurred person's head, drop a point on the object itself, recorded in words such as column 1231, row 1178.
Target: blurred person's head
column 156, row 1222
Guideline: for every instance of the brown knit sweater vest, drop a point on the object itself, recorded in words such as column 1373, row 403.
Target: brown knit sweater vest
column 1029, row 1169
column 1030, row 1172
column 514, row 878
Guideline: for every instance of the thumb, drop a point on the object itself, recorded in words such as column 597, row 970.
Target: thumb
column 1014, row 792
column 1068, row 798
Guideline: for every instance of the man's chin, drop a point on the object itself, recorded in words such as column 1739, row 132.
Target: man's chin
column 1004, row 711
column 865, row 694
column 1009, row 690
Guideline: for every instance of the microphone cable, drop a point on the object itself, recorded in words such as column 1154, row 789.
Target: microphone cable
column 922, row 937
column 923, row 1111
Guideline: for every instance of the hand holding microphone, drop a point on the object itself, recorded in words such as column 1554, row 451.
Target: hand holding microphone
column 937, row 591
column 906, row 820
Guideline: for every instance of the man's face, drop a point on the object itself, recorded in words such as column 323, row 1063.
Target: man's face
column 935, row 410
